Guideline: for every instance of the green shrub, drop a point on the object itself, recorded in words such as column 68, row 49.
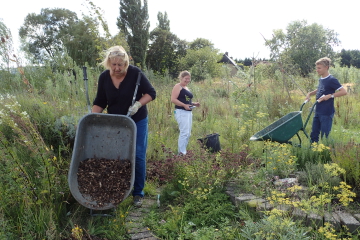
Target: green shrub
column 347, row 157
column 274, row 226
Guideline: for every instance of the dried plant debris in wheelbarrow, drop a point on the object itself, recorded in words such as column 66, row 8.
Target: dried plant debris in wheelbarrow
column 104, row 180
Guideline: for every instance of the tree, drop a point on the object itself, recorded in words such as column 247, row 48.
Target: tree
column 345, row 58
column 247, row 62
column 118, row 39
column 42, row 35
column 201, row 60
column 355, row 58
column 201, row 43
column 164, row 22
column 6, row 57
column 202, row 63
column 165, row 48
column 6, row 46
column 83, row 42
column 350, row 58
column 163, row 51
column 133, row 22
column 302, row 45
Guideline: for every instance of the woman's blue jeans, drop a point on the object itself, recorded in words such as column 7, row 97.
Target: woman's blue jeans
column 140, row 161
column 321, row 124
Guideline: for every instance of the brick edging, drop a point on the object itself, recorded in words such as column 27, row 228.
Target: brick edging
column 337, row 218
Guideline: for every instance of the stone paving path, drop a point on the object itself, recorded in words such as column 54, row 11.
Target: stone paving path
column 134, row 221
column 337, row 218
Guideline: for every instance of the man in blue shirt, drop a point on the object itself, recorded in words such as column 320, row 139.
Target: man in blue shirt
column 328, row 89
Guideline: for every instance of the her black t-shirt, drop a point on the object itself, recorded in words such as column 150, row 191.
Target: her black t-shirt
column 118, row 100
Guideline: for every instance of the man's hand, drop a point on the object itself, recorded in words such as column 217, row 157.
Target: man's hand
column 134, row 108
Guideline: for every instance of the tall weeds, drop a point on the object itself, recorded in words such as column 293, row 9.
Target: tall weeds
column 33, row 189
column 37, row 131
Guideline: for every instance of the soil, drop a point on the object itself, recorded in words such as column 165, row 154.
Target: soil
column 104, row 180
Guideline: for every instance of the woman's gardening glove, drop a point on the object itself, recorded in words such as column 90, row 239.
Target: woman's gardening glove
column 134, row 108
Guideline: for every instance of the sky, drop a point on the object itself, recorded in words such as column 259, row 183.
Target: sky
column 233, row 26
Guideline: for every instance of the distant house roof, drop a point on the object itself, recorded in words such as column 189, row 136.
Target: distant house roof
column 226, row 59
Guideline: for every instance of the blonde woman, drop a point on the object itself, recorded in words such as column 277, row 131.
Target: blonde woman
column 182, row 97
column 115, row 91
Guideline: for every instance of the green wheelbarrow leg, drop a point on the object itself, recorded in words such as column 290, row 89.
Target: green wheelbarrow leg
column 305, row 133
column 102, row 214
column 297, row 134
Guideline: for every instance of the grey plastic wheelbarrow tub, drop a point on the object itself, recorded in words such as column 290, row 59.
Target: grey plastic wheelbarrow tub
column 98, row 136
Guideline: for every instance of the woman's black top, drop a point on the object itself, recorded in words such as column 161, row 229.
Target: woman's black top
column 118, row 100
column 185, row 96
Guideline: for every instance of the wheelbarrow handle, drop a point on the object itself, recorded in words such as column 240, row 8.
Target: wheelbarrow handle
column 86, row 89
column 302, row 105
column 308, row 117
column 85, row 74
column 135, row 92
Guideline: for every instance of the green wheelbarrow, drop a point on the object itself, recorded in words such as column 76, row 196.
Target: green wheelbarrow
column 285, row 128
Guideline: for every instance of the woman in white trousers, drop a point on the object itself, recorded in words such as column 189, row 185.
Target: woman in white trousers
column 181, row 96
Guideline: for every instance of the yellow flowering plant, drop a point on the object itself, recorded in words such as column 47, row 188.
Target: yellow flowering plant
column 77, row 232
column 278, row 160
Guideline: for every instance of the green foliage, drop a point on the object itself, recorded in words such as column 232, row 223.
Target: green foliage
column 133, row 22
column 8, row 59
column 54, row 33
column 324, row 193
column 32, row 175
column 350, row 58
column 200, row 43
column 164, row 22
column 117, row 40
column 214, row 218
column 111, row 227
column 247, row 62
column 42, row 34
column 278, row 160
column 346, row 75
column 195, row 184
column 315, row 153
column 302, row 45
column 347, row 156
column 5, row 46
column 315, row 174
column 83, row 42
column 210, row 212
column 274, row 226
column 35, row 155
column 346, row 113
column 89, row 36
column 164, row 51
column 96, row 12
column 65, row 129
column 202, row 63
column 165, row 48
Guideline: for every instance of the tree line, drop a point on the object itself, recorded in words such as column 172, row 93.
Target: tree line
column 57, row 33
